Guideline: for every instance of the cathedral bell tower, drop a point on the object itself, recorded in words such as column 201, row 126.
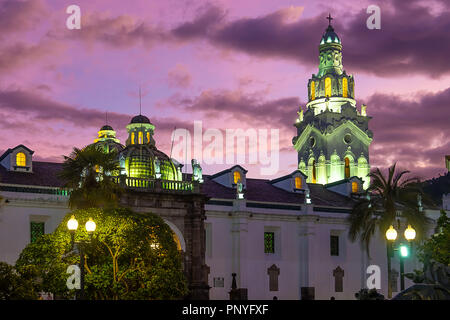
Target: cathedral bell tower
column 333, row 137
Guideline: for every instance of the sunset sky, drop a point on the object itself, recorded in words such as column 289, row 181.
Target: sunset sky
column 228, row 63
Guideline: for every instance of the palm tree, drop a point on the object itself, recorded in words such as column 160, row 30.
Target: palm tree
column 88, row 172
column 388, row 198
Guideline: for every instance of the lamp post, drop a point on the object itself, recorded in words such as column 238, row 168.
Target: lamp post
column 404, row 251
column 90, row 226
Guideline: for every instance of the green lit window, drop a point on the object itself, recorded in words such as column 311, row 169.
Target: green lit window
column 269, row 242
column 140, row 166
column 36, row 230
column 334, row 245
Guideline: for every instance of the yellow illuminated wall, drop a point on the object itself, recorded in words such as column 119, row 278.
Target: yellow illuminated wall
column 313, row 90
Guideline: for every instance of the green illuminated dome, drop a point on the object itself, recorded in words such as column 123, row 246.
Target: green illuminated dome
column 141, row 158
column 330, row 36
column 107, row 140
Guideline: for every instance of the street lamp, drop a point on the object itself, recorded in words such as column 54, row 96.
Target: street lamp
column 391, row 234
column 90, row 226
column 410, row 233
column 404, row 251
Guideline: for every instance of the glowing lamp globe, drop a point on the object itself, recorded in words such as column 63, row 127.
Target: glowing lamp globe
column 391, row 234
column 72, row 224
column 410, row 233
column 90, row 225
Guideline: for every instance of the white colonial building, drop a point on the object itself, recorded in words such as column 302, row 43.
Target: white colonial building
column 285, row 238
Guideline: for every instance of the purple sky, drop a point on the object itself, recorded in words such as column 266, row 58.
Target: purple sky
column 230, row 64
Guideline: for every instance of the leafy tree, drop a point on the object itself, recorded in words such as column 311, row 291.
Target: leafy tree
column 437, row 248
column 130, row 256
column 15, row 285
column 88, row 172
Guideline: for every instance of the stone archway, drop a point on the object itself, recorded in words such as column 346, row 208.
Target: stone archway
column 177, row 236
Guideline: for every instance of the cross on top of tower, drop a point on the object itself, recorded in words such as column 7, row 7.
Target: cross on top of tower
column 329, row 18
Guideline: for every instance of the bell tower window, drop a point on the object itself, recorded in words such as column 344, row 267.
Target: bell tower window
column 314, row 179
column 141, row 137
column 21, row 160
column 148, row 137
column 344, row 87
column 327, row 87
column 313, row 90
column 347, row 168
column 132, row 138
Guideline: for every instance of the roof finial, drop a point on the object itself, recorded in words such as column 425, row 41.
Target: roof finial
column 329, row 19
column 106, row 117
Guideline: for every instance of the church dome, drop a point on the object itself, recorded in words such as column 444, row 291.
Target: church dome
column 140, row 119
column 330, row 36
column 106, row 127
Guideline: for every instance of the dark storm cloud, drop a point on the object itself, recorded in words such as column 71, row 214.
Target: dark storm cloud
column 415, row 131
column 39, row 107
column 412, row 39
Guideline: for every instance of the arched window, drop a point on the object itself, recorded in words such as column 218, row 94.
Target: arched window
column 327, row 87
column 344, row 87
column 354, row 187
column 236, row 176
column 298, row 183
column 314, row 179
column 21, row 159
column 148, row 137
column 141, row 137
column 132, row 138
column 347, row 168
column 313, row 90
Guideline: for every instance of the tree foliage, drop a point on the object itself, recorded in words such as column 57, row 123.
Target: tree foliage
column 88, row 172
column 130, row 256
column 387, row 196
column 15, row 285
column 437, row 248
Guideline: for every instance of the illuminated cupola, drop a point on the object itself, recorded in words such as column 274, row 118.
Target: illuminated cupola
column 331, row 87
column 141, row 158
column 333, row 137
column 140, row 131
column 107, row 140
